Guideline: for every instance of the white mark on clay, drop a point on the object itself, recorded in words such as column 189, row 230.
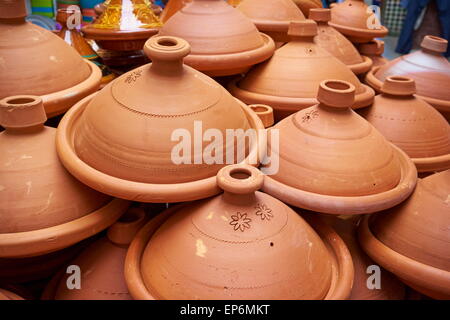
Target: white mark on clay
column 29, row 184
column 201, row 248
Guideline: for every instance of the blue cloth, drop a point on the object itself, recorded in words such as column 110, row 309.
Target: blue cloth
column 414, row 9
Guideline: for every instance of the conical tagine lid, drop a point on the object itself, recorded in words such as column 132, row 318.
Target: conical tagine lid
column 8, row 295
column 335, row 43
column 223, row 41
column 429, row 69
column 34, row 61
column 172, row 7
column 124, row 25
column 412, row 239
column 242, row 244
column 39, row 200
column 272, row 16
column 367, row 285
column 411, row 124
column 101, row 264
column 357, row 21
column 306, row 5
column 331, row 160
column 141, row 137
column 289, row 81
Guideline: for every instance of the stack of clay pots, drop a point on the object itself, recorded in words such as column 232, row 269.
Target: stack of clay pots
column 313, row 195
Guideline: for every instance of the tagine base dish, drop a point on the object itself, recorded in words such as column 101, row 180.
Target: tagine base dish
column 131, row 190
column 342, row 264
column 284, row 106
column 42, row 241
column 432, row 164
column 348, row 205
column 356, row 35
column 431, row 281
column 57, row 103
column 361, row 67
column 231, row 64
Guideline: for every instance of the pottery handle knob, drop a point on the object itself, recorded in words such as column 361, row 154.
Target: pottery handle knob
column 434, row 44
column 336, row 93
column 123, row 231
column 22, row 111
column 320, row 14
column 166, row 48
column 265, row 113
column 399, row 86
column 374, row 47
column 12, row 9
column 240, row 179
column 303, row 28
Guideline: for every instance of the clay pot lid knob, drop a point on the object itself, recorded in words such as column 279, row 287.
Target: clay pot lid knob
column 399, row 86
column 302, row 29
column 320, row 14
column 167, row 53
column 434, row 44
column 20, row 112
column 336, row 94
column 240, row 179
column 374, row 47
column 14, row 10
column 124, row 230
column 265, row 113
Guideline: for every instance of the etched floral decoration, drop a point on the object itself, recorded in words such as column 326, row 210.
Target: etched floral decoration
column 240, row 221
column 310, row 116
column 264, row 212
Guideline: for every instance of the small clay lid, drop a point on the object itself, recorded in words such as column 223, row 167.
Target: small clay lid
column 411, row 240
column 230, row 47
column 357, row 21
column 289, row 81
column 429, row 69
column 242, row 244
column 335, row 43
column 102, row 264
column 411, row 124
column 144, row 117
column 272, row 16
column 317, row 168
column 123, row 25
column 45, row 74
column 38, row 198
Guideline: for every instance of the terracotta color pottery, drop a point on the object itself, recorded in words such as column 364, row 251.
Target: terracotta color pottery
column 36, row 61
column 390, row 287
column 288, row 82
column 272, row 16
column 265, row 113
column 124, row 25
column 306, row 5
column 74, row 37
column 335, row 43
column 374, row 50
column 101, row 264
column 223, row 41
column 411, row 124
column 242, row 244
column 42, row 207
column 412, row 239
column 172, row 7
column 121, row 140
column 427, row 67
column 357, row 21
column 8, row 295
column 331, row 160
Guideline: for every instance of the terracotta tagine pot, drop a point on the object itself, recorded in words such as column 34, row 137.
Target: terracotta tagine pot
column 101, row 264
column 427, row 67
column 42, row 207
column 335, row 43
column 357, row 21
column 242, row 244
column 306, row 5
column 374, row 50
column 411, row 240
column 411, row 124
column 8, row 295
column 124, row 25
column 331, row 160
column 36, row 61
column 74, row 37
column 146, row 118
column 288, row 82
column 390, row 288
column 223, row 41
column 272, row 16
column 172, row 7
